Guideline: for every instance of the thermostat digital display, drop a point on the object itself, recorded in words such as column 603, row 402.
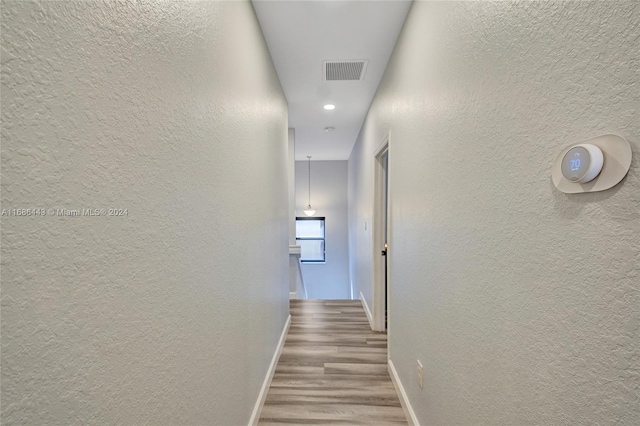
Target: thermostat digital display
column 582, row 163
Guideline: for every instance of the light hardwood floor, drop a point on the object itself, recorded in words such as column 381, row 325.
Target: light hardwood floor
column 333, row 369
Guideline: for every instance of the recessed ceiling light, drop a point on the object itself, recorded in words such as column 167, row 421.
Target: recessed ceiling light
column 329, row 129
column 329, row 107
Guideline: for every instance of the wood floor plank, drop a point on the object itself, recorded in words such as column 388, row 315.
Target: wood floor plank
column 357, row 414
column 356, row 369
column 332, row 370
column 371, row 349
column 302, row 381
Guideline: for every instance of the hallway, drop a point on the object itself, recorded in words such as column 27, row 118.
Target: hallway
column 149, row 210
column 333, row 369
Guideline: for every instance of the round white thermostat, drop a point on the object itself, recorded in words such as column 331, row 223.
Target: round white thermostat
column 593, row 165
column 582, row 163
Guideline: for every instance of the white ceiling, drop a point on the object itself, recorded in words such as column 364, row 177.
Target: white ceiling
column 301, row 34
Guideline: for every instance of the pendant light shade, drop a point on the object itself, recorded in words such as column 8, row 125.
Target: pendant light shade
column 309, row 211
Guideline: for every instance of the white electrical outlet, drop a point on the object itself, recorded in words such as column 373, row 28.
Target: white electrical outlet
column 420, row 371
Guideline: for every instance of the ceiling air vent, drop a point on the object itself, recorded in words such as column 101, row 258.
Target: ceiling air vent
column 344, row 70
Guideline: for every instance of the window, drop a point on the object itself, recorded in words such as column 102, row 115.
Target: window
column 310, row 238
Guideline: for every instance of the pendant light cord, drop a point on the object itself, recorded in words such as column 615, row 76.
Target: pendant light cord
column 309, row 157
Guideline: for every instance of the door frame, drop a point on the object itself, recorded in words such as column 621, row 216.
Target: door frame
column 380, row 290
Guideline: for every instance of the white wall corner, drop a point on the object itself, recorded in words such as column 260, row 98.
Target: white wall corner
column 257, row 410
column 404, row 401
column 293, row 295
column 367, row 310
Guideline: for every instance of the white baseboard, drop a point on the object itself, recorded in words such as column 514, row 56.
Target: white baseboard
column 367, row 310
column 404, row 401
column 255, row 415
column 293, row 295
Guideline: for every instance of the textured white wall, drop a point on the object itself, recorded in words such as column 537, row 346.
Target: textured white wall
column 291, row 185
column 169, row 315
column 523, row 303
column 360, row 193
column 328, row 280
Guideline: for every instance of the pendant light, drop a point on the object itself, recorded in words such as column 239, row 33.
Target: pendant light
column 309, row 211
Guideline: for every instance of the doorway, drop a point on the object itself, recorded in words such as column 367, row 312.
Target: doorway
column 381, row 238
